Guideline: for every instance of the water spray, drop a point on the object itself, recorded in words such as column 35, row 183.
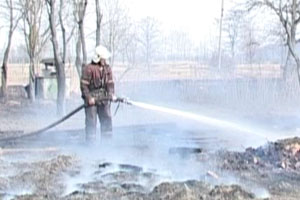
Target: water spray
column 200, row 118
column 196, row 117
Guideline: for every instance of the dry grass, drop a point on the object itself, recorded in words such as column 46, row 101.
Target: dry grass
column 18, row 74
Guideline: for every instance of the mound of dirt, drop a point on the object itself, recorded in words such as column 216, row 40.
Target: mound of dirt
column 38, row 178
column 224, row 192
column 189, row 190
column 199, row 190
column 283, row 154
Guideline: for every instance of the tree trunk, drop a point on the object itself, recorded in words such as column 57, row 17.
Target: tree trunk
column 6, row 54
column 83, row 44
column 63, row 30
column 82, row 35
column 98, row 22
column 285, row 66
column 4, row 67
column 4, row 80
column 31, row 86
column 78, row 56
column 59, row 65
column 61, row 89
column 297, row 60
column 291, row 37
column 292, row 49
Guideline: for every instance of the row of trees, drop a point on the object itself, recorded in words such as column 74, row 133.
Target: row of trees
column 69, row 25
column 288, row 15
column 61, row 23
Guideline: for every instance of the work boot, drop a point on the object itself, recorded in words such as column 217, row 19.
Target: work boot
column 90, row 139
column 90, row 135
column 106, row 135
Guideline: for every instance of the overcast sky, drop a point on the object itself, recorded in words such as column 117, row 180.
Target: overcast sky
column 195, row 16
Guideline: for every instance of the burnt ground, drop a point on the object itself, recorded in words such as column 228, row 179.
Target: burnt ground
column 275, row 165
column 60, row 165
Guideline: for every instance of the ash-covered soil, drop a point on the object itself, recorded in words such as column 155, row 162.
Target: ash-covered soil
column 36, row 169
column 275, row 166
column 46, row 180
column 52, row 174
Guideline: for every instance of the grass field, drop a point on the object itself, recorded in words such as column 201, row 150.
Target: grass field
column 18, row 74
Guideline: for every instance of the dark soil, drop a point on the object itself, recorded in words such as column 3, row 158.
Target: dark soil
column 274, row 167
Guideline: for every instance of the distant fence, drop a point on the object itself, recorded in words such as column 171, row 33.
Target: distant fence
column 191, row 70
column 18, row 74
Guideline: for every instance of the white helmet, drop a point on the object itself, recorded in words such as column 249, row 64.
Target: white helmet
column 101, row 52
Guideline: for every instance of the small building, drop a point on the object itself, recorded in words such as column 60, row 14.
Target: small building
column 46, row 81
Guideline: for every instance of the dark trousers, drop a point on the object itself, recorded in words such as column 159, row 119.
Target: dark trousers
column 104, row 115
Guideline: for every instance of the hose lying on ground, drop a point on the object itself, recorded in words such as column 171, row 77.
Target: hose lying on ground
column 45, row 128
column 119, row 100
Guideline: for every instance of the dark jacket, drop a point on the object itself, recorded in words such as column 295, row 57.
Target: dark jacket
column 95, row 77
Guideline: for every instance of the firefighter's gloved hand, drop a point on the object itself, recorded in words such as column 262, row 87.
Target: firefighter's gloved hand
column 126, row 100
column 114, row 98
column 91, row 101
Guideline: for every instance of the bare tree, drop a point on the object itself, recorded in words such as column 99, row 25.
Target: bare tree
column 79, row 13
column 148, row 35
column 129, row 50
column 278, row 35
column 115, row 26
column 99, row 16
column 51, row 4
column 66, row 21
column 288, row 13
column 232, row 25
column 13, row 23
column 179, row 45
column 220, row 36
column 59, row 65
column 78, row 62
column 130, row 46
column 35, row 36
column 250, row 42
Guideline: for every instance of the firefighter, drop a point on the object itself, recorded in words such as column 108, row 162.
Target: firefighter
column 97, row 84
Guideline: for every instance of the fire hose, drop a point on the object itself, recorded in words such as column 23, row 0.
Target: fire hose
column 118, row 100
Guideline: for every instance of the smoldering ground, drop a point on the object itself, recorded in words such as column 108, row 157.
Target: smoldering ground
column 156, row 155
